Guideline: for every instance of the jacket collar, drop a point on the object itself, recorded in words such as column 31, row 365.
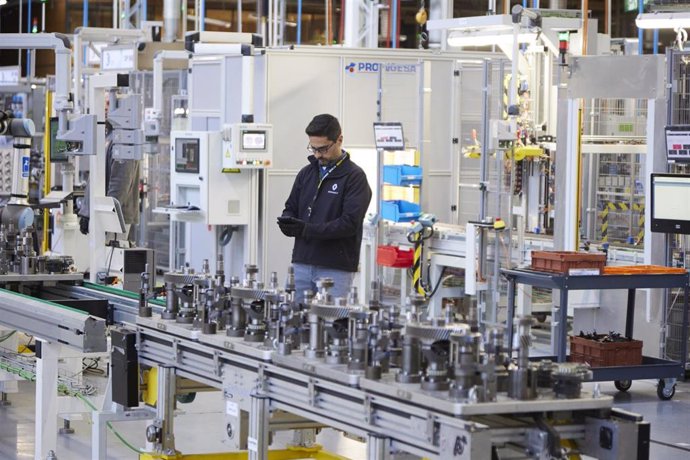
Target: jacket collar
column 346, row 161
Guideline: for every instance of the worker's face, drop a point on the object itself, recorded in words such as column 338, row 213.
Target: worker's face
column 324, row 149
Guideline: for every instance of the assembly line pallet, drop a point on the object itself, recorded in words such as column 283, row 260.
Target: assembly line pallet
column 666, row 371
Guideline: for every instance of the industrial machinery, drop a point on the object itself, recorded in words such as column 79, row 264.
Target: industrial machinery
column 406, row 381
column 16, row 211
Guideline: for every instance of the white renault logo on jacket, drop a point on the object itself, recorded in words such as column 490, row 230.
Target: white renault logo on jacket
column 334, row 189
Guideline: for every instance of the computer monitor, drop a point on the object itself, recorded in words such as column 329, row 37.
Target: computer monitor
column 389, row 136
column 670, row 203
column 678, row 144
column 58, row 149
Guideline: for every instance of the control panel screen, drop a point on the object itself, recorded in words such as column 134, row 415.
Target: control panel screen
column 678, row 144
column 187, row 155
column 254, row 140
column 58, row 149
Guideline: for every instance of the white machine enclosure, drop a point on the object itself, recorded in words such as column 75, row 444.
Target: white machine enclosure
column 201, row 188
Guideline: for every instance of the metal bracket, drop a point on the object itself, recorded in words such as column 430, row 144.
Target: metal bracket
column 177, row 354
column 430, row 427
column 217, row 365
column 368, row 410
column 262, row 381
column 311, row 387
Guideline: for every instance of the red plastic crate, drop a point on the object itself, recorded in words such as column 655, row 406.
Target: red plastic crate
column 563, row 261
column 604, row 354
column 392, row 256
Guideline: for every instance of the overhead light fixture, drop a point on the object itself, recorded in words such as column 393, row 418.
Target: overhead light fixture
column 659, row 20
column 3, row 2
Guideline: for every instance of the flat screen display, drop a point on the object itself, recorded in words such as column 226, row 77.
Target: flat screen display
column 389, row 136
column 671, row 203
column 58, row 149
column 187, row 155
column 254, row 140
column 678, row 144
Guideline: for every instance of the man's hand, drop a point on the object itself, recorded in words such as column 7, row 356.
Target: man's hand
column 84, row 225
column 291, row 226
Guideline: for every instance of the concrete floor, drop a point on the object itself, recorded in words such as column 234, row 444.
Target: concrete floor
column 199, row 427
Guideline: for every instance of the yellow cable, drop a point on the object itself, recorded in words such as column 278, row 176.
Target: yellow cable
column 47, row 168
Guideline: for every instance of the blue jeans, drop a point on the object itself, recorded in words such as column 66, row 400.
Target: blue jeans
column 307, row 275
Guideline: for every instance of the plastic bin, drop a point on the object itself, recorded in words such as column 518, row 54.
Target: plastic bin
column 393, row 256
column 563, row 261
column 402, row 175
column 603, row 354
column 400, row 210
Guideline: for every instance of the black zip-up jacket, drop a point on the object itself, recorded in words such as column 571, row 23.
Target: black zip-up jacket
column 333, row 231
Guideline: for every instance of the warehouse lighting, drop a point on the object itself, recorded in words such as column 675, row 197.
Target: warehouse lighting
column 674, row 20
column 3, row 2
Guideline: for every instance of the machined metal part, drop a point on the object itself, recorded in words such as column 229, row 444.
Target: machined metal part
column 435, row 332
column 255, row 330
column 323, row 295
column 144, row 308
column 411, row 365
column 465, row 350
column 377, row 356
column 290, row 279
column 435, row 347
column 358, row 321
column 316, row 348
column 238, row 318
column 288, row 328
column 523, row 378
column 170, row 311
column 567, row 379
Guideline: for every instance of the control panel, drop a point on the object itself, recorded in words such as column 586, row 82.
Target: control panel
column 247, row 146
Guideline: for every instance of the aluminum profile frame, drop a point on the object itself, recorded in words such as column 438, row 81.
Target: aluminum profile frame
column 52, row 322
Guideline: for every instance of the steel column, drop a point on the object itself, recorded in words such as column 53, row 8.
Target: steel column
column 46, row 398
column 378, row 447
column 257, row 442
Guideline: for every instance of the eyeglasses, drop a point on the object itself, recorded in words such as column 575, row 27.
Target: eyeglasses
column 322, row 149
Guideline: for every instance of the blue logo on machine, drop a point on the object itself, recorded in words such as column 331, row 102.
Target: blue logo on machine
column 25, row 166
column 375, row 67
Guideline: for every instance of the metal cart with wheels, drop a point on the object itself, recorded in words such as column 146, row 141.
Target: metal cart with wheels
column 651, row 368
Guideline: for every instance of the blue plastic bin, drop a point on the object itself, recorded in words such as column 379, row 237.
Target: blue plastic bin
column 402, row 175
column 400, row 210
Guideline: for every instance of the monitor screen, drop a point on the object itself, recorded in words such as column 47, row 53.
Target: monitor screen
column 389, row 136
column 678, row 144
column 671, row 203
column 58, row 149
column 254, row 140
column 187, row 155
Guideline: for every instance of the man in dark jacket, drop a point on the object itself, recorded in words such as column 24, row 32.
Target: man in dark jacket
column 325, row 211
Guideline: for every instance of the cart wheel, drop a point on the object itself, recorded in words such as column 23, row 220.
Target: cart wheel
column 622, row 385
column 663, row 392
column 541, row 317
